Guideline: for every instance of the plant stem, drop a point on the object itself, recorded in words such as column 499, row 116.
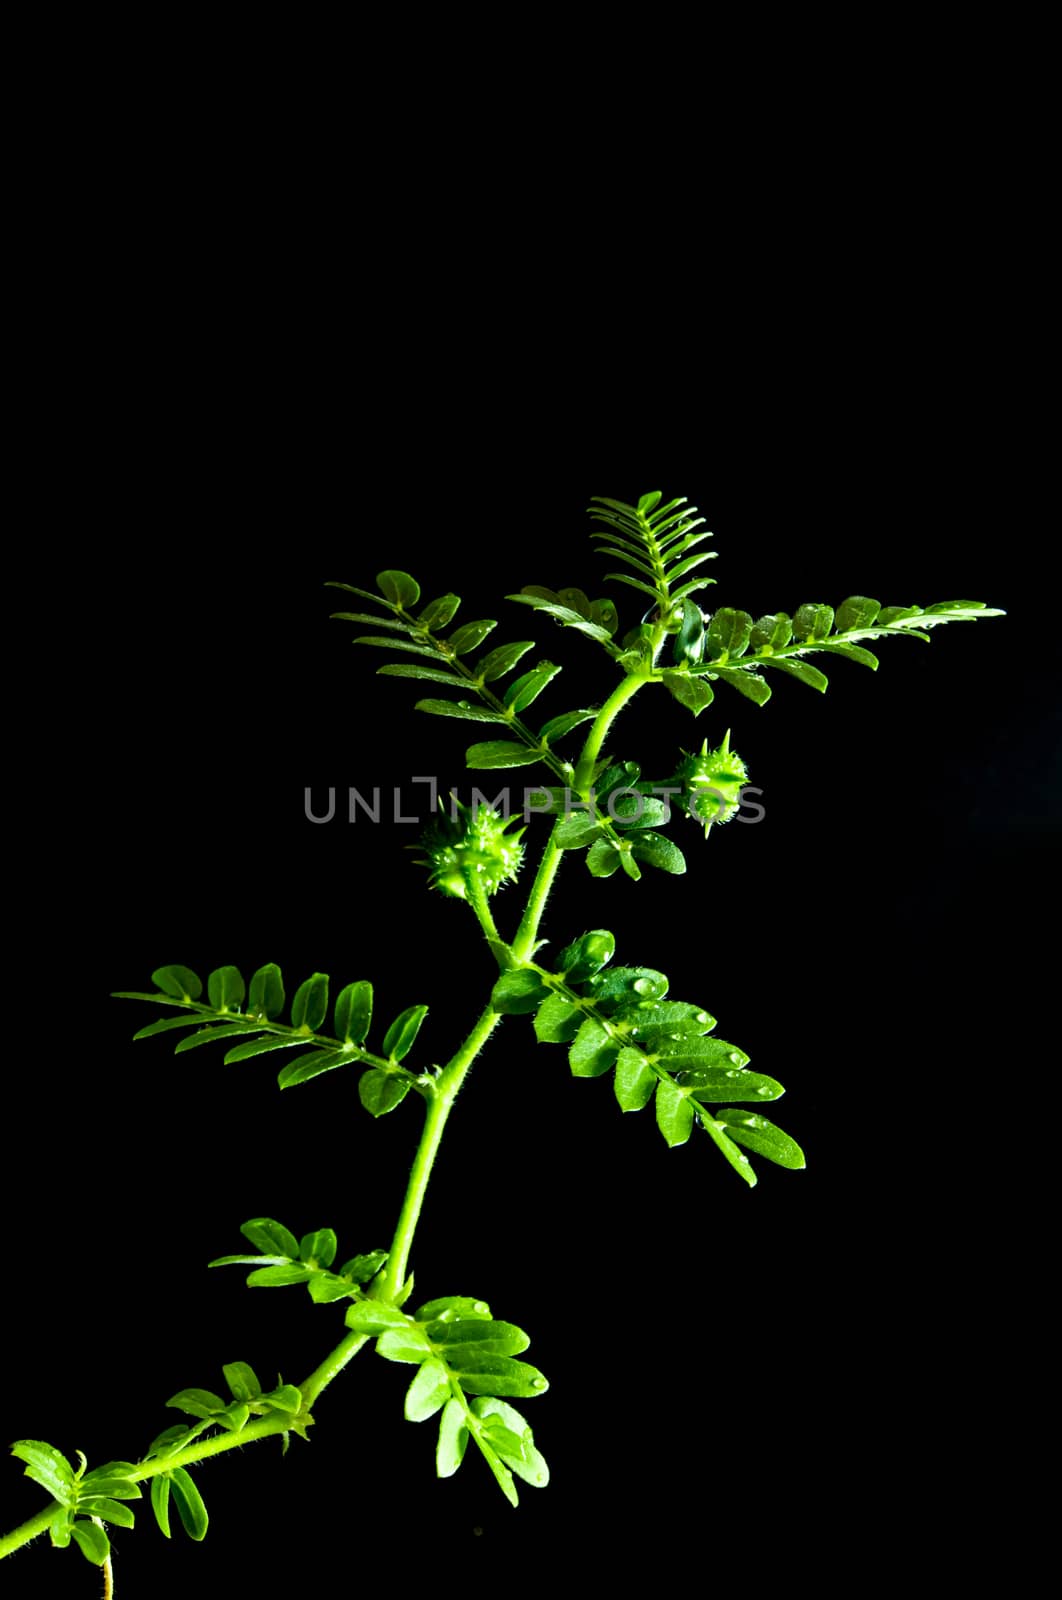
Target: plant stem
column 477, row 899
column 437, row 1111
column 331, row 1367
column 527, row 933
column 624, row 690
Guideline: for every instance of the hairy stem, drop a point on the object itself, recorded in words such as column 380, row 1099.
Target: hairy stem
column 438, row 1110
column 527, row 933
column 477, row 899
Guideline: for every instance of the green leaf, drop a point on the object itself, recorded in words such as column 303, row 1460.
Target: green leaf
column 262, row 1046
column 460, row 708
column 603, row 859
column 851, row 652
column 197, row 1402
column 518, row 992
column 266, row 994
column 380, row 1092
column 327, row 1287
column 319, row 1248
column 233, row 1418
column 728, row 633
column 227, row 1030
column 747, row 683
column 565, row 615
column 272, row 1238
column 405, row 669
column 592, row 1052
column 525, row 1460
column 575, row 831
column 399, row 588
column 688, row 1054
column 428, row 1393
column 496, row 663
column 557, row 727
column 311, row 1065
column 483, row 1336
column 226, row 989
column 189, row 1503
column 454, row 1307
column 659, row 1024
column 248, row 1261
column 354, row 1012
column 635, row 1080
column 693, row 693
column 401, row 1035
column 167, row 1024
column 586, row 956
column 802, row 670
column 349, row 588
column 389, row 642
column 500, row 753
column 242, row 1381
column 373, row 622
column 502, row 1475
column 160, row 1502
column 180, row 982
column 576, row 600
column 437, row 613
column 113, row 1479
column 107, row 1509
column 556, row 1021
column 688, row 643
column 47, row 1466
column 737, row 1158
column 728, row 1084
column 496, row 1375
column 627, row 985
column 310, row 1005
column 813, row 622
column 618, row 775
column 674, row 1114
column 469, row 635
column 91, row 1541
column 373, row 1316
column 279, row 1277
column 761, row 1136
column 527, row 688
column 403, row 1344
column 59, row 1528
column 362, row 1268
column 772, row 632
column 453, row 1437
column 856, row 612
column 638, row 811
column 284, row 1398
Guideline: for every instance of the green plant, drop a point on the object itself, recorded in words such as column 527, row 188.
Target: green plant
column 603, row 813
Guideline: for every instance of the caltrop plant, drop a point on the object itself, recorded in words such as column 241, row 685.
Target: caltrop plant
column 593, row 808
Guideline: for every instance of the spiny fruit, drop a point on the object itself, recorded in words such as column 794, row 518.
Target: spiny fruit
column 711, row 783
column 471, row 843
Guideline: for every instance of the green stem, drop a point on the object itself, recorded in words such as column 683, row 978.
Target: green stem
column 524, row 943
column 331, row 1367
column 527, row 933
column 477, row 899
column 437, row 1112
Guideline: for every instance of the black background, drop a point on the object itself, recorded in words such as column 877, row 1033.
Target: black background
column 242, row 383
column 718, row 1357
